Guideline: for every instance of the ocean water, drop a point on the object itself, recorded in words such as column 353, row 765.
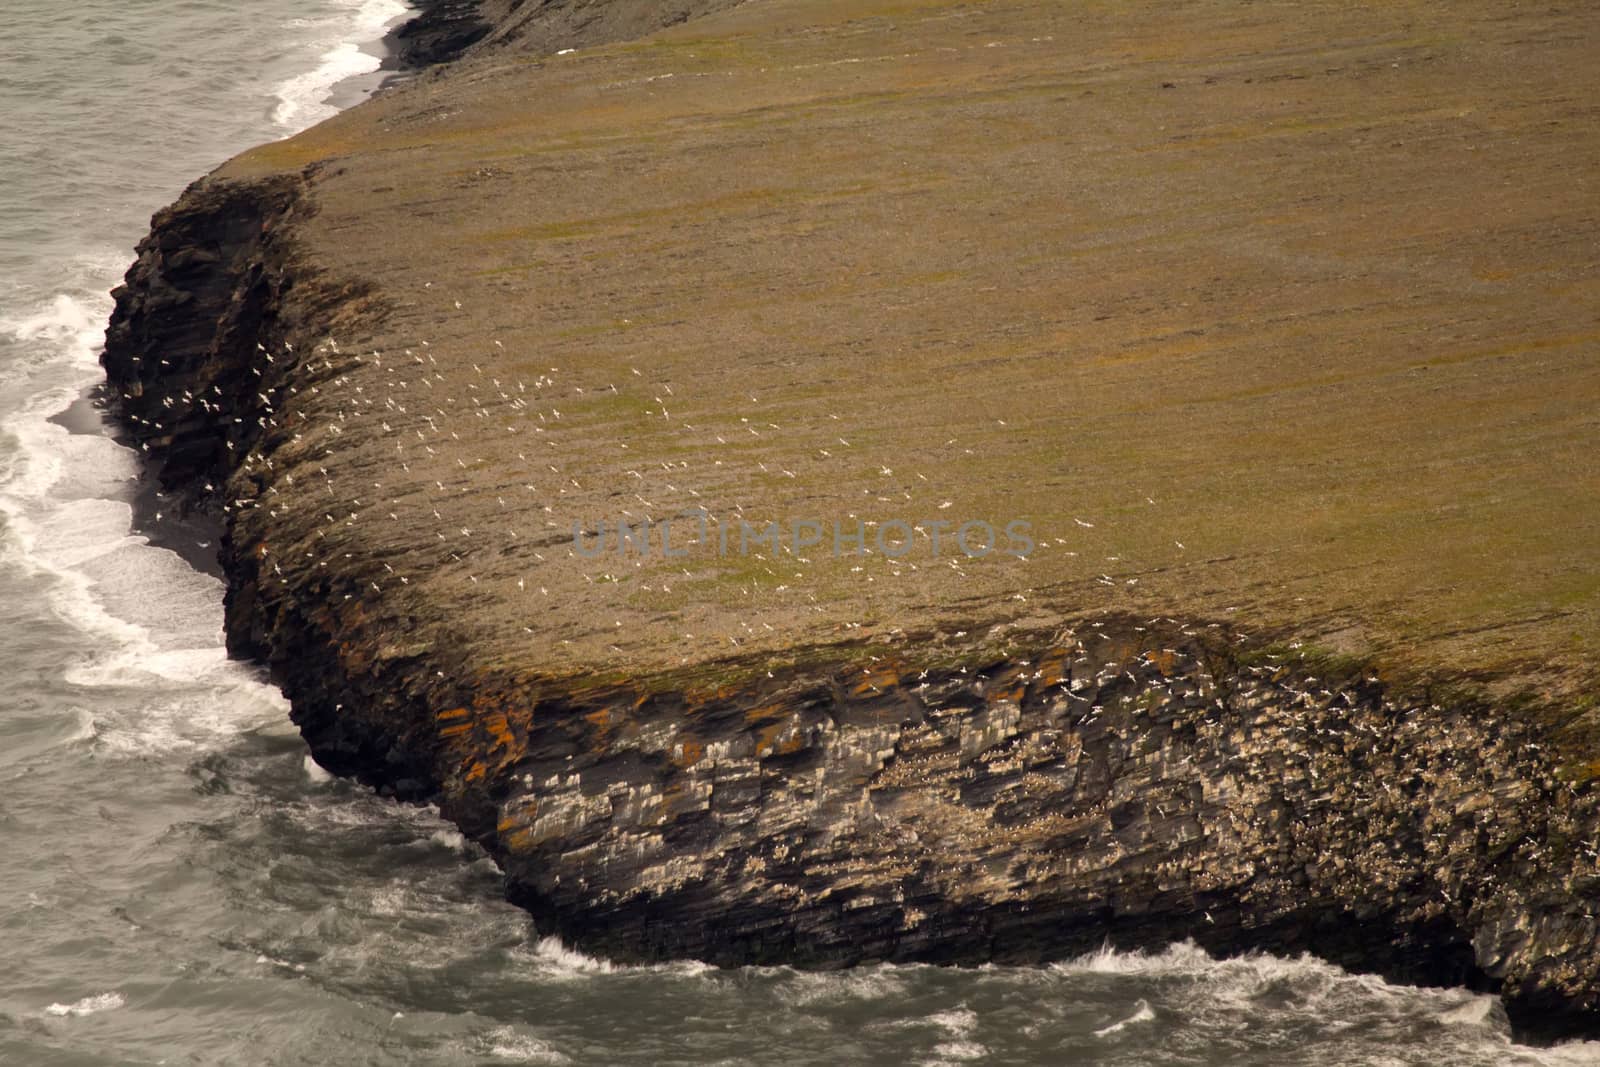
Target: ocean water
column 179, row 883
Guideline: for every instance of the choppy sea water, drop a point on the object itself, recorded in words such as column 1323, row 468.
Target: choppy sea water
column 179, row 883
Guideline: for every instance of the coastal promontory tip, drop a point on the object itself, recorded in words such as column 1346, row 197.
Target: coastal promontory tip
column 823, row 482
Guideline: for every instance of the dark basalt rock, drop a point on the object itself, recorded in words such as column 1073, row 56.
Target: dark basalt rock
column 204, row 288
column 440, row 32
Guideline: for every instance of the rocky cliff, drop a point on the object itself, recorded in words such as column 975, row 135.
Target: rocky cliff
column 1302, row 659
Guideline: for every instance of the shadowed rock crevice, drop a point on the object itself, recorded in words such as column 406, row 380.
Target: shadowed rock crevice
column 441, row 31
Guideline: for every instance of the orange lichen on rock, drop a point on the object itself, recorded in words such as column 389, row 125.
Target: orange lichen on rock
column 687, row 752
column 1052, row 669
column 875, row 679
column 1163, row 660
column 783, row 738
column 518, row 840
column 1013, row 693
column 453, row 722
column 604, row 720
column 767, row 712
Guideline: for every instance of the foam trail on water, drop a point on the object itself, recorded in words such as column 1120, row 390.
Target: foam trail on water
column 553, row 958
column 505, row 1043
column 564, row 961
column 87, row 1006
column 1142, row 1013
column 957, row 1046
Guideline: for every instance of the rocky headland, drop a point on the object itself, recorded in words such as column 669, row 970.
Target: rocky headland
column 1273, row 327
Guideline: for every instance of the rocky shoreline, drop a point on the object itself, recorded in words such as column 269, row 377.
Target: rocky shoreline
column 1084, row 773
column 439, row 32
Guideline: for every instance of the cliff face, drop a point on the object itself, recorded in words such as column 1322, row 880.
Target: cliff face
column 332, row 344
column 206, row 284
column 441, row 31
column 1125, row 779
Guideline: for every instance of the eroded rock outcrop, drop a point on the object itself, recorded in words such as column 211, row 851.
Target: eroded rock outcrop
column 1008, row 791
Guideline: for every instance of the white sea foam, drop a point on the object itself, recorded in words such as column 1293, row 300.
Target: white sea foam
column 88, row 1005
column 957, row 1052
column 303, row 99
column 871, row 983
column 273, row 961
column 1142, row 1013
column 83, row 728
column 1236, row 979
column 150, row 622
column 1472, row 1011
column 958, row 1021
column 1567, row 1054
column 1256, row 989
column 958, row 1046
column 1182, row 958
column 553, row 958
column 70, row 325
column 453, row 840
column 504, row 1043
column 392, row 899
column 569, row 962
